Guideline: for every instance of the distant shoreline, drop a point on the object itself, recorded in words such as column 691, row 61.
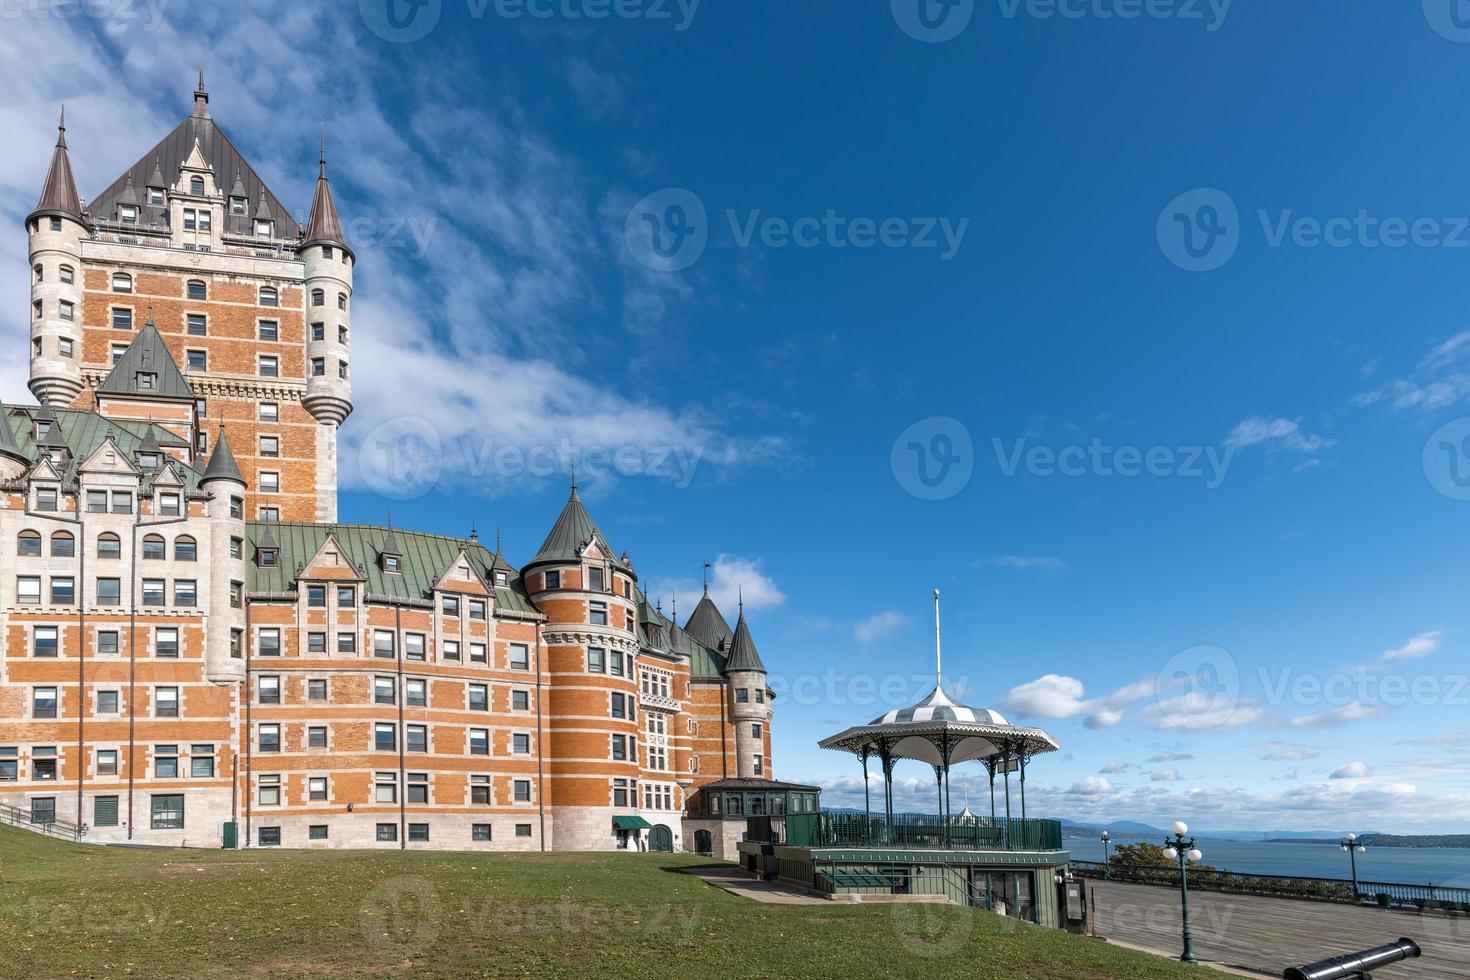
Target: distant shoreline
column 1387, row 840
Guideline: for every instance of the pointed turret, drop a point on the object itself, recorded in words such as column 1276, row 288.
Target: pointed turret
column 201, row 97
column 708, row 625
column 573, row 530
column 323, row 227
column 743, row 656
column 59, row 193
column 222, row 465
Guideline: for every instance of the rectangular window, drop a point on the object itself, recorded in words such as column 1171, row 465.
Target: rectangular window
column 201, row 761
column 186, row 592
column 385, row 690
column 316, row 789
column 268, row 792
column 165, row 702
column 597, row 613
column 523, row 830
column 417, row 739
column 270, row 367
column 196, row 324
column 43, row 641
column 270, row 446
column 28, row 589
column 318, row 367
column 168, row 506
column 316, row 689
column 107, row 702
column 479, row 697
column 553, row 580
column 270, row 738
column 480, row 790
column 154, row 592
column 270, row 412
column 480, row 832
column 268, row 689
column 64, row 347
column 166, row 761
column 316, row 596
column 520, row 744
column 520, row 700
column 416, row 693
column 387, row 833
column 318, row 331
column 122, row 318
column 385, row 788
column 107, row 762
column 104, row 811
column 479, row 741
column 418, row 832
column 522, row 789
column 269, row 481
column 346, row 642
column 596, row 660
column 451, row 606
column 269, row 837
column 63, row 590
column 413, row 647
column 418, row 787
column 316, row 643
column 316, row 737
column 477, row 609
column 449, row 649
column 619, row 705
column 520, row 656
column 317, row 831
column 167, row 812
column 166, row 641
column 477, row 653
column 620, row 747
column 268, row 640
column 383, row 644
column 594, row 580
column 346, row 596
column 385, row 737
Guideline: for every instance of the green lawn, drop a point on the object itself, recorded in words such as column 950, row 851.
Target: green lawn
column 85, row 910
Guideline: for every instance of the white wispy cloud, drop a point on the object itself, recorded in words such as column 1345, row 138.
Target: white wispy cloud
column 731, row 576
column 1277, row 434
column 1421, row 645
column 1439, row 380
column 1288, row 752
column 877, row 626
column 1353, row 770
column 1344, row 715
column 1028, row 563
column 1113, row 768
column 1165, row 776
column 1060, row 696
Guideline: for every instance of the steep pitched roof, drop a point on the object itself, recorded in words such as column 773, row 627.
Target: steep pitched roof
column 222, row 464
column 218, row 152
column 59, row 193
column 82, row 431
column 8, row 445
column 147, row 354
column 573, row 530
column 323, row 225
column 708, row 625
column 742, row 649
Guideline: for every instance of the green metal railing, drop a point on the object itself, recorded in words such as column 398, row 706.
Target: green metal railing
column 927, row 832
column 1386, row 894
column 17, row 817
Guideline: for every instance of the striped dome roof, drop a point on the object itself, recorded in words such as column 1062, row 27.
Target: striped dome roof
column 939, row 706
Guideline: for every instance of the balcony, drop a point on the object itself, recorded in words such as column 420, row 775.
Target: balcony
column 911, row 832
column 659, row 702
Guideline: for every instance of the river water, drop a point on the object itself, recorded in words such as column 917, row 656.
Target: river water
column 1404, row 865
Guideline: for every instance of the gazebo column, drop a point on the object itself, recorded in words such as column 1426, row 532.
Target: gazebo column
column 947, row 812
column 939, row 786
column 867, row 804
column 1008, row 795
column 990, row 771
column 886, row 757
column 1023, row 784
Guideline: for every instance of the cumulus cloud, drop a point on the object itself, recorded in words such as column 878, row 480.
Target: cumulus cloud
column 1198, row 711
column 1091, row 786
column 1165, row 776
column 880, row 625
column 1113, row 768
column 1353, row 770
column 1060, row 696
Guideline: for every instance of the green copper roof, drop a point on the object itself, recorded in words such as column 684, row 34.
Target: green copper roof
column 708, row 625
column 742, row 649
column 222, row 464
column 147, row 355
column 8, row 445
column 571, row 532
column 82, row 431
column 425, row 559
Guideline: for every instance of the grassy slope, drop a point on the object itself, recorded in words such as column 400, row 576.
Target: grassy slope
column 91, row 911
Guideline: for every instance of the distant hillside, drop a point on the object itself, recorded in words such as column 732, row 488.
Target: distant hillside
column 1416, row 840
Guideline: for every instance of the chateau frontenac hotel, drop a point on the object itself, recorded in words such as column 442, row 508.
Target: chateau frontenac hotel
column 194, row 652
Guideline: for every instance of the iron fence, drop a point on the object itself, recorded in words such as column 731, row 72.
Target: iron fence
column 926, row 832
column 17, row 817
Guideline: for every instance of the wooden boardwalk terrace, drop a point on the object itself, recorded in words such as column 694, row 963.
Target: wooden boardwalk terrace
column 1267, row 935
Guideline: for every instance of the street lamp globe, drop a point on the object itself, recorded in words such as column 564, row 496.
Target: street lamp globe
column 1362, row 849
column 1343, row 848
column 1195, row 856
column 1171, row 854
column 1180, row 828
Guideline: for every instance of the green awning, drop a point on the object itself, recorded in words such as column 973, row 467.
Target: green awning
column 631, row 823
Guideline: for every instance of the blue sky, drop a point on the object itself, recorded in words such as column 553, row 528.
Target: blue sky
column 1172, row 307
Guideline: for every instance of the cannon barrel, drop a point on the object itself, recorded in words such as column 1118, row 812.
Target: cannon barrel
column 1355, row 964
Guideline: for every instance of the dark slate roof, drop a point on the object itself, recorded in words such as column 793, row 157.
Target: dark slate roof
column 222, row 464
column 704, row 663
column 323, row 225
column 742, row 650
column 170, row 153
column 147, row 354
column 572, row 530
column 708, row 625
column 59, row 193
column 426, row 557
column 83, row 431
column 750, row 782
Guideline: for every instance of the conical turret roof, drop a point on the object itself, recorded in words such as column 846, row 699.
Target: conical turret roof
column 743, row 656
column 323, row 225
column 573, row 530
column 707, row 624
column 59, row 193
column 222, row 465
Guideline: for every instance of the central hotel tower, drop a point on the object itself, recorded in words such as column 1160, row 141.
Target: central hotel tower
column 192, row 649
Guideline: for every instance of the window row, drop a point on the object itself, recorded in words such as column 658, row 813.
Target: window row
column 65, row 347
column 268, row 738
column 596, row 578
column 268, row 690
column 386, row 833
column 165, row 643
column 63, row 591
column 385, row 646
column 168, row 762
column 416, row 787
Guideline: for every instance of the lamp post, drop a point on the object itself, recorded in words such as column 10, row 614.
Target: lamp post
column 1350, row 845
column 1183, row 851
column 1106, row 843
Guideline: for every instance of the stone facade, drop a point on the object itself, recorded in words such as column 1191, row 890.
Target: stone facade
column 193, row 651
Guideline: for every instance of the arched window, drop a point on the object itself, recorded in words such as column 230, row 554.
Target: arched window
column 196, row 186
column 29, row 544
column 269, row 297
column 154, row 547
column 122, row 282
column 63, row 545
column 109, row 546
column 185, row 548
column 318, row 297
column 197, row 289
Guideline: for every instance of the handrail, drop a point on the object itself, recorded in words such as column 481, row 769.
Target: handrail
column 1296, row 886
column 61, row 829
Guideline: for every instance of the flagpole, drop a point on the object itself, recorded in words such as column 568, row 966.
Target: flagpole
column 938, row 660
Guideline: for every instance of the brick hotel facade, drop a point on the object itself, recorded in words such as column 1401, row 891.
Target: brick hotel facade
column 193, row 651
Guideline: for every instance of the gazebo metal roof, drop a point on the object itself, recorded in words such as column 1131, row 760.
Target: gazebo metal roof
column 939, row 731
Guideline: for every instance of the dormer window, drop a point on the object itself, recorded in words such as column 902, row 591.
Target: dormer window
column 326, row 251
column 263, row 229
column 127, row 214
column 146, row 381
column 237, row 205
column 42, row 430
column 500, row 579
column 594, row 580
column 148, row 461
column 56, row 456
column 196, row 186
column 266, row 557
column 392, row 564
column 155, row 196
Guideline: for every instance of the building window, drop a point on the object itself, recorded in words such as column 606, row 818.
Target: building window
column 28, row 589
column 122, row 318
column 416, row 693
column 166, row 641
column 383, row 644
column 167, row 811
column 449, row 650
column 316, row 596
column 196, row 186
column 268, row 690
column 346, row 642
column 237, row 508
column 479, row 741
column 480, row 790
column 417, row 787
column 596, row 660
column 451, row 606
column 387, row 833
column 477, row 609
column 520, row 656
column 594, row 580
column 107, row 702
column 520, row 700
column 268, row 793
column 318, row 297
column 109, row 546
column 43, row 763
column 64, row 347
column 269, row 641
column 478, row 697
column 742, row 696
column 316, row 789
column 122, row 282
column 316, row 736
column 341, row 298
column 620, row 748
column 237, row 205
column 385, row 789
column 597, row 613
column 317, row 831
column 523, row 830
column 46, row 499
column 480, row 832
column 316, row 643
column 196, row 289
column 196, row 325
column 418, row 832
column 520, row 744
column 268, row 836
column 270, row 446
column 269, row 738
column 392, row 565
column 621, row 704
column 522, row 790
column 154, row 548
column 186, row 593
column 318, row 331
column 385, row 690
column 413, row 647
column 104, row 811
column 263, row 228
column 28, row 544
column 185, row 547
column 318, row 367
column 385, row 737
column 201, row 761
column 122, row 502
column 477, row 653
column 118, row 350
column 270, row 367
column 553, row 580
column 759, row 765
column 269, row 515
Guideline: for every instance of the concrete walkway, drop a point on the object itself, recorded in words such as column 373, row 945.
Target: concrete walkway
column 1267, row 935
column 737, row 881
